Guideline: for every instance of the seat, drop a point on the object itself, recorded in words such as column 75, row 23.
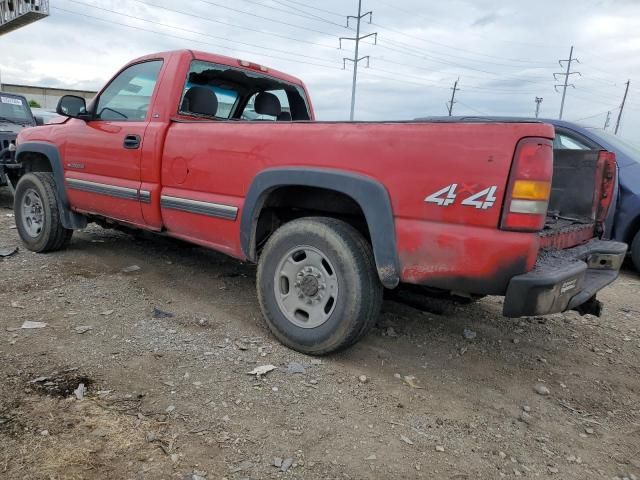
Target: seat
column 267, row 104
column 284, row 117
column 201, row 101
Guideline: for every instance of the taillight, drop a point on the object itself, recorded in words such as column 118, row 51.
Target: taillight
column 606, row 174
column 529, row 187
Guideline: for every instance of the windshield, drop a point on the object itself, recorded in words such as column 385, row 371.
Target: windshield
column 14, row 109
column 628, row 149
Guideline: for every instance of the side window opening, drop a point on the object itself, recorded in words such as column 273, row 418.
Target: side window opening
column 564, row 142
column 128, row 96
column 221, row 92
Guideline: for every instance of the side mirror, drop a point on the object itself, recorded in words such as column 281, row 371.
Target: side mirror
column 39, row 120
column 73, row 106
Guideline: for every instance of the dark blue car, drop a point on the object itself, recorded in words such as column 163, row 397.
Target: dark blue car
column 625, row 222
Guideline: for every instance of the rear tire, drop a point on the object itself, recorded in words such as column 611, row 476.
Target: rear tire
column 37, row 213
column 635, row 251
column 317, row 285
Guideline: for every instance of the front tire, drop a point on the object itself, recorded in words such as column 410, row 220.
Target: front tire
column 317, row 285
column 37, row 213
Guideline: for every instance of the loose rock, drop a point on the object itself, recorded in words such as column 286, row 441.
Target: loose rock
column 541, row 389
column 29, row 325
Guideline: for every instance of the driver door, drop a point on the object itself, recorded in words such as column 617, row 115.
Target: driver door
column 102, row 156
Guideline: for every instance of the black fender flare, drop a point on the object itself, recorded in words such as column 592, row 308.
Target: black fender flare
column 69, row 218
column 370, row 194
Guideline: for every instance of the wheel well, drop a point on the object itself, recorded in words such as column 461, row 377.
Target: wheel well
column 35, row 162
column 284, row 204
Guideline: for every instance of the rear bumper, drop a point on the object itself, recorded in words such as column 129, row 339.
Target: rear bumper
column 564, row 279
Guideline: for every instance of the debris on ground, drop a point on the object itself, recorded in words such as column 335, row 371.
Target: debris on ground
column 29, row 325
column 411, row 381
column 262, row 370
column 406, row 440
column 106, row 313
column 363, row 379
column 83, row 329
column 80, row 391
column 439, row 448
column 286, row 465
column 469, row 334
column 131, row 269
column 157, row 313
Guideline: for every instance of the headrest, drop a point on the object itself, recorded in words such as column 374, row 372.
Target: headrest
column 200, row 100
column 267, row 104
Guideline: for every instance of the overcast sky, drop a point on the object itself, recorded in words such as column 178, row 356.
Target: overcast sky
column 505, row 52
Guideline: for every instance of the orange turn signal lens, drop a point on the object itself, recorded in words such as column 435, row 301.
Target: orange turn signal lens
column 531, row 190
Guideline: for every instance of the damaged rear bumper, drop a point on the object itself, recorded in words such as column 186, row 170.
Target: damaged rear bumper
column 565, row 280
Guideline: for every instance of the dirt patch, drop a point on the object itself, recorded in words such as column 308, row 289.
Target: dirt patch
column 61, row 384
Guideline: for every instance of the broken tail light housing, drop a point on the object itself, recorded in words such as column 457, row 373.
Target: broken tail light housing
column 529, row 187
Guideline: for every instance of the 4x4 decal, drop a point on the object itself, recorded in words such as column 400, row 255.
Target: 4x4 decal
column 448, row 195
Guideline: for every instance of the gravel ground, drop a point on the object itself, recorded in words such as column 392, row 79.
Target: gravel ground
column 437, row 390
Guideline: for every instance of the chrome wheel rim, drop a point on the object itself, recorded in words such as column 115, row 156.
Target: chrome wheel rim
column 32, row 213
column 306, row 287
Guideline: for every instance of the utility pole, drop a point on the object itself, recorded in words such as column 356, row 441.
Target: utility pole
column 566, row 76
column 624, row 99
column 538, row 102
column 356, row 59
column 453, row 96
column 608, row 120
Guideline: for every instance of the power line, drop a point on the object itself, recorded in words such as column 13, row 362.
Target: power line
column 356, row 58
column 196, row 32
column 427, row 57
column 451, row 47
column 472, row 108
column 566, row 75
column 261, row 17
column 220, row 22
column 592, row 116
column 431, row 20
column 316, row 8
column 297, row 12
column 164, row 34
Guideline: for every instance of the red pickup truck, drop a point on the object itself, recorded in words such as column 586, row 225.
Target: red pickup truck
column 226, row 154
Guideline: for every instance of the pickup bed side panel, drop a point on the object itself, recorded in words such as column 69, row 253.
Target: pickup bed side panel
column 216, row 162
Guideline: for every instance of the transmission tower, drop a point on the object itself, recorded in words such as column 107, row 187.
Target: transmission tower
column 356, row 59
column 454, row 89
column 624, row 99
column 567, row 74
column 538, row 102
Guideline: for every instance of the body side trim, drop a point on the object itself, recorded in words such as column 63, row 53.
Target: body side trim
column 102, row 189
column 210, row 209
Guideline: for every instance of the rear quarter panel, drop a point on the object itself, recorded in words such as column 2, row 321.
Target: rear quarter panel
column 456, row 245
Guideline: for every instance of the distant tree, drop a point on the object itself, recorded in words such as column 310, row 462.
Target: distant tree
column 34, row 104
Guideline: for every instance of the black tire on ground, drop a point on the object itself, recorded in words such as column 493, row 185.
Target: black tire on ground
column 635, row 251
column 51, row 235
column 352, row 270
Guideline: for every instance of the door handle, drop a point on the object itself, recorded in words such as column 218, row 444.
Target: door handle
column 131, row 142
